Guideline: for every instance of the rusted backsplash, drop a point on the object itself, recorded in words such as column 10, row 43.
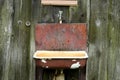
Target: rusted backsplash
column 61, row 36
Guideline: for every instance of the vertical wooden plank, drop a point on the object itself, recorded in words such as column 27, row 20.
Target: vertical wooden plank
column 14, row 39
column 6, row 11
column 114, row 42
column 20, row 46
column 35, row 15
column 104, row 40
column 78, row 13
column 98, row 41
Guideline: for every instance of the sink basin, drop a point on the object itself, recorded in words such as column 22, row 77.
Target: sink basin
column 60, row 59
column 61, row 45
column 60, row 55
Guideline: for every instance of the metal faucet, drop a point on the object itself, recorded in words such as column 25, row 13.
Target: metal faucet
column 60, row 16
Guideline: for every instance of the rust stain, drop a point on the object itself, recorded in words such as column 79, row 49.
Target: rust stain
column 58, row 63
column 61, row 36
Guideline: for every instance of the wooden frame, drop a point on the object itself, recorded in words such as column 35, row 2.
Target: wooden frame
column 59, row 2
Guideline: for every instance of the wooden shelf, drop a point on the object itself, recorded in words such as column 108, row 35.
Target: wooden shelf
column 59, row 2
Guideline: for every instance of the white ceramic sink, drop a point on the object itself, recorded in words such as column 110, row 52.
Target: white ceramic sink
column 60, row 54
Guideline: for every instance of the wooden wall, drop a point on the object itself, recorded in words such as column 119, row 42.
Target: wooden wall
column 104, row 40
column 17, row 39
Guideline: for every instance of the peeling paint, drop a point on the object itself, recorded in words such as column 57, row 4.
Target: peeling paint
column 44, row 61
column 75, row 65
column 74, row 60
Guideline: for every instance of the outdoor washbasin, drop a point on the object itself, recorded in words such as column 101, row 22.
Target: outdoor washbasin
column 61, row 45
column 61, row 59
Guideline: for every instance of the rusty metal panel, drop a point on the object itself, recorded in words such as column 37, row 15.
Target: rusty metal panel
column 59, row 63
column 61, row 36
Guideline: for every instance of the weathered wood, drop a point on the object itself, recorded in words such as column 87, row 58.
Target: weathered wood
column 98, row 41
column 104, row 40
column 49, row 14
column 114, row 40
column 20, row 66
column 14, row 39
column 78, row 14
column 6, row 11
column 59, row 2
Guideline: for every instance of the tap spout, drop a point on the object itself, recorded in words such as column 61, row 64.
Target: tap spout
column 60, row 16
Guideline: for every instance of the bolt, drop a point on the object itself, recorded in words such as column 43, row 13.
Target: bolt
column 19, row 22
column 27, row 23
